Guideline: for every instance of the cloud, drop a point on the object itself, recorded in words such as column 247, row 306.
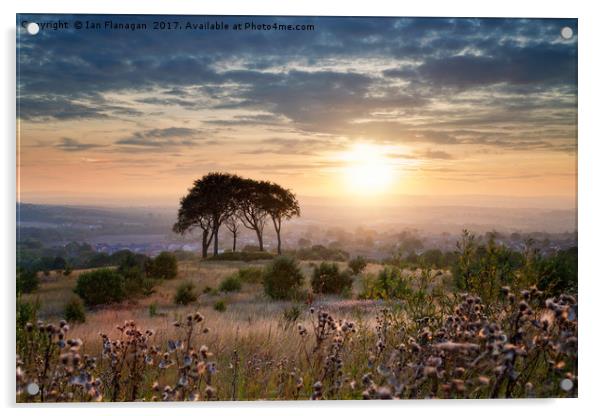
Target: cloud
column 396, row 80
column 541, row 64
column 170, row 137
column 435, row 154
column 72, row 145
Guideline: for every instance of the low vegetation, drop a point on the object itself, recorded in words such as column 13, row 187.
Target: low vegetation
column 282, row 278
column 493, row 324
column 327, row 278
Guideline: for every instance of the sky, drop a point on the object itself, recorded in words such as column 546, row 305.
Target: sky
column 357, row 109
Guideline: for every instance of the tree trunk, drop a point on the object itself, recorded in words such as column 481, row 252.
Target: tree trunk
column 279, row 242
column 205, row 243
column 233, row 242
column 259, row 239
column 215, row 241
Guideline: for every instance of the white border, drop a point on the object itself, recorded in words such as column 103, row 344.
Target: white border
column 590, row 207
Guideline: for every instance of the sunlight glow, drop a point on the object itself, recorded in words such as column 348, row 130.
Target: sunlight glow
column 368, row 169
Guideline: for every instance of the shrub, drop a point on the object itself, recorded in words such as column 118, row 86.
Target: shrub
column 128, row 260
column 27, row 281
column 327, row 278
column 208, row 289
column 357, row 265
column 220, row 306
column 389, row 284
column 100, row 286
column 137, row 284
column 164, row 266
column 282, row 278
column 74, row 311
column 250, row 275
column 242, row 256
column 26, row 312
column 230, row 284
column 185, row 294
column 320, row 252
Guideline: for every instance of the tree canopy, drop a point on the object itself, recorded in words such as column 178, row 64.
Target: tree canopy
column 223, row 198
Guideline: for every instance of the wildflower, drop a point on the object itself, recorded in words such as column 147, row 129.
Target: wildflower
column 384, row 393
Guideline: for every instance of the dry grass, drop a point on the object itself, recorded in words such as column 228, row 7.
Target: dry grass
column 336, row 349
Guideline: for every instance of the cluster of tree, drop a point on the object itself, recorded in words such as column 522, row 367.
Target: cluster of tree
column 224, row 199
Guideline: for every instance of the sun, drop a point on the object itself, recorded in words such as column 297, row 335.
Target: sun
column 367, row 169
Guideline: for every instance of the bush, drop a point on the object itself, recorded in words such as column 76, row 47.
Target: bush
column 242, row 256
column 74, row 311
column 357, row 265
column 100, row 286
column 327, row 278
column 185, row 294
column 164, row 266
column 230, row 284
column 389, row 284
column 27, row 281
column 282, row 278
column 220, row 306
column 250, row 275
column 320, row 252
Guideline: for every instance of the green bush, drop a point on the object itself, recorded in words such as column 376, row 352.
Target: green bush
column 100, row 286
column 27, row 281
column 230, row 284
column 357, row 265
column 250, row 275
column 164, row 266
column 220, row 306
column 389, row 284
column 185, row 294
column 75, row 311
column 26, row 312
column 282, row 278
column 327, row 278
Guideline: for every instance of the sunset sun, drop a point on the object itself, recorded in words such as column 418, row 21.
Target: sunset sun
column 368, row 169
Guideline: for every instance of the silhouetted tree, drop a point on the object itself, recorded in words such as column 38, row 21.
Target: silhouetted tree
column 253, row 202
column 233, row 226
column 281, row 205
column 207, row 205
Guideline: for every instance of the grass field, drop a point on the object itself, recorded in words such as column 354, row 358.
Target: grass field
column 336, row 348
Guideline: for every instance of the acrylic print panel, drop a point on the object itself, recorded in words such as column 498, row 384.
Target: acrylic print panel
column 292, row 208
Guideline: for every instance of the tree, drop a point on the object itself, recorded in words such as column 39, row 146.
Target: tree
column 281, row 205
column 253, row 202
column 210, row 201
column 233, row 226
